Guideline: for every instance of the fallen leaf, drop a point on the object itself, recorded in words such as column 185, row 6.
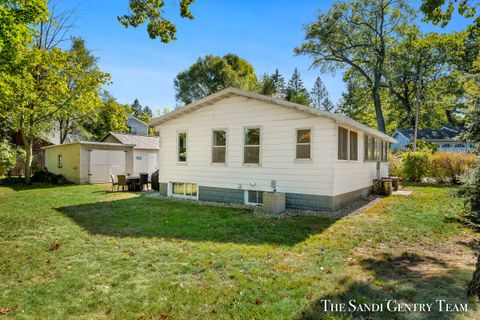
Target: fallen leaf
column 54, row 246
column 5, row 310
column 165, row 316
column 258, row 301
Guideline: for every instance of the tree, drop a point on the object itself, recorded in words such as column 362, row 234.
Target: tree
column 437, row 15
column 9, row 155
column 85, row 93
column 267, row 86
column 354, row 103
column 137, row 108
column 319, row 96
column 140, row 112
column 211, row 74
column 278, row 84
column 151, row 13
column 111, row 116
column 357, row 34
column 296, row 91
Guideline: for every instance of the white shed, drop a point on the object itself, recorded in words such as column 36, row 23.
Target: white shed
column 89, row 162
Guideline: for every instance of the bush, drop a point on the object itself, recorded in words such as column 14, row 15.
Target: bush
column 470, row 191
column 9, row 155
column 44, row 176
column 415, row 165
column 450, row 166
column 395, row 164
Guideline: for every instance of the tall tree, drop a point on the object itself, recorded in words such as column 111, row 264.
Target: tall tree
column 357, row 34
column 137, row 108
column 267, row 86
column 440, row 11
column 319, row 96
column 279, row 84
column 85, row 93
column 211, row 74
column 296, row 91
column 151, row 13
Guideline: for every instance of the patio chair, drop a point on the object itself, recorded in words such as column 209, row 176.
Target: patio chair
column 122, row 181
column 113, row 182
column 143, row 180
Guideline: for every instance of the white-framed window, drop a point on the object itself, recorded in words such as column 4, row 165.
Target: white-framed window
column 251, row 145
column 219, row 146
column 182, row 146
column 303, row 144
column 60, row 161
column 384, row 151
column 184, row 190
column 371, row 148
column 254, row 197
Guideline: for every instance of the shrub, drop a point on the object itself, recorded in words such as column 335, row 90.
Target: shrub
column 423, row 145
column 470, row 191
column 415, row 165
column 395, row 164
column 43, row 175
column 8, row 156
column 449, row 166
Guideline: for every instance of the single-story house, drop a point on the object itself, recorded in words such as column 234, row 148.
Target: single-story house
column 234, row 145
column 446, row 138
column 93, row 162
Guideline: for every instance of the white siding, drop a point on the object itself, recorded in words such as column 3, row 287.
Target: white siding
column 323, row 175
column 144, row 161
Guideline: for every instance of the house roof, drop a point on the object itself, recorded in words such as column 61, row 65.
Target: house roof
column 90, row 143
column 234, row 91
column 139, row 141
column 444, row 133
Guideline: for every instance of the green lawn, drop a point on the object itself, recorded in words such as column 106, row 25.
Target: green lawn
column 83, row 252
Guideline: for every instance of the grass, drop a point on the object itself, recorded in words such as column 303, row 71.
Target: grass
column 83, row 252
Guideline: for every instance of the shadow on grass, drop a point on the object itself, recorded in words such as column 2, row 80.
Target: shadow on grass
column 18, row 184
column 144, row 217
column 404, row 279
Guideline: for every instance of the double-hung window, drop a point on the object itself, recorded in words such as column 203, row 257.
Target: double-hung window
column 219, row 146
column 303, row 149
column 182, row 146
column 251, row 146
column 342, row 143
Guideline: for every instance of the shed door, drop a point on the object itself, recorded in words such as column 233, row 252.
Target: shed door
column 106, row 162
column 145, row 162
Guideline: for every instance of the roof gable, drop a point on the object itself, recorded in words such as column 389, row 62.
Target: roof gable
column 282, row 103
column 140, row 141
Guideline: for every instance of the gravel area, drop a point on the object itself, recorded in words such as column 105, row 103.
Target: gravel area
column 354, row 208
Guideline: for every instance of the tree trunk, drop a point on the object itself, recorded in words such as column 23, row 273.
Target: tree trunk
column 417, row 109
column 378, row 108
column 473, row 288
column 28, row 161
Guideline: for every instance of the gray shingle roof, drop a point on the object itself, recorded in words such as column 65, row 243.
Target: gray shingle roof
column 444, row 133
column 140, row 142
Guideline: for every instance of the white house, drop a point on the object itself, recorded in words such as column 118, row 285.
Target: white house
column 234, row 145
column 446, row 138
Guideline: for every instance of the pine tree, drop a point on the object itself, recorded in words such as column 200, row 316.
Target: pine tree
column 137, row 109
column 279, row 84
column 296, row 91
column 319, row 96
column 267, row 86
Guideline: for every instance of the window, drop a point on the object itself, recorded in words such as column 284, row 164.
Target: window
column 251, row 152
column 60, row 161
column 342, row 143
column 353, row 145
column 182, row 146
column 374, row 149
column 384, row 153
column 371, row 148
column 138, row 157
column 133, row 130
column 187, row 190
column 303, row 144
column 366, row 147
column 219, row 146
column 255, row 197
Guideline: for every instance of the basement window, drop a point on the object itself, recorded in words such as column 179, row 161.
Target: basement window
column 184, row 190
column 254, row 197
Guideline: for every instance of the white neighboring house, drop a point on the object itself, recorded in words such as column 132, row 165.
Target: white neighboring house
column 446, row 138
column 234, row 145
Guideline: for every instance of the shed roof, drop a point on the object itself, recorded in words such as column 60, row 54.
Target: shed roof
column 139, row 141
column 90, row 143
column 228, row 92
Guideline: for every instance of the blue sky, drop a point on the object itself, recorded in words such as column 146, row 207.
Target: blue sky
column 263, row 32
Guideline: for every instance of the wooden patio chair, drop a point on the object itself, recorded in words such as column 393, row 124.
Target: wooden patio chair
column 122, row 181
column 113, row 182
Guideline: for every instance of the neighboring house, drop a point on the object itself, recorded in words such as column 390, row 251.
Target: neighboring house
column 93, row 162
column 234, row 145
column 446, row 138
column 137, row 126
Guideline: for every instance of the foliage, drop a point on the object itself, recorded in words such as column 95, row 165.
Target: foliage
column 451, row 166
column 43, row 176
column 357, row 35
column 140, row 112
column 423, row 145
column 110, row 116
column 437, row 15
column 415, row 165
column 279, row 84
column 319, row 96
column 395, row 164
column 296, row 91
column 211, row 74
column 9, row 155
column 151, row 12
